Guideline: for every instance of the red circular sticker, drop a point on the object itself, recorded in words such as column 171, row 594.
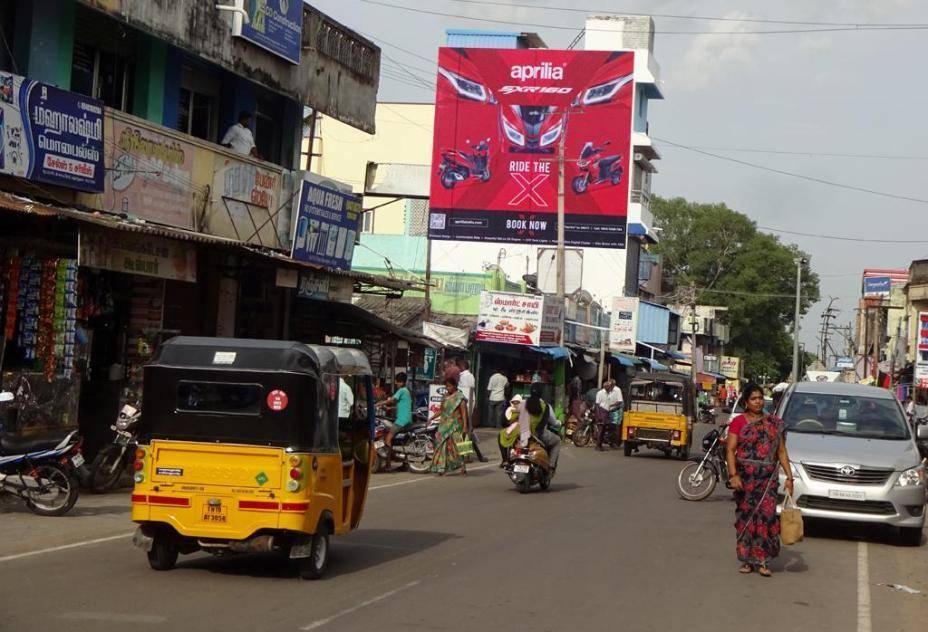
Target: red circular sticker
column 277, row 400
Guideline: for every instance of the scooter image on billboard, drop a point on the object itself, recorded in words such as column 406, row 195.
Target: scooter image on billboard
column 457, row 166
column 596, row 168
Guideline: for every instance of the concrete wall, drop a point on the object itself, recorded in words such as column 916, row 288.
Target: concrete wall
column 346, row 91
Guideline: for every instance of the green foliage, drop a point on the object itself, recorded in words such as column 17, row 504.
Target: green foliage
column 721, row 252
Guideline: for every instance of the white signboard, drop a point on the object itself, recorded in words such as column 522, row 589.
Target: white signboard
column 624, row 329
column 436, row 395
column 520, row 319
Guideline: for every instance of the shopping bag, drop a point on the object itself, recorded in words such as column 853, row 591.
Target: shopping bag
column 791, row 530
column 465, row 448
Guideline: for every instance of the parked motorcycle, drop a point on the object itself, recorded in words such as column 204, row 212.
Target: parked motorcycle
column 585, row 430
column 706, row 414
column 697, row 479
column 413, row 447
column 117, row 457
column 42, row 471
column 458, row 166
column 527, row 467
column 596, row 168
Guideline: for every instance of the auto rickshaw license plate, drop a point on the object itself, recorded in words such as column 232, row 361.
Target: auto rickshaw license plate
column 215, row 513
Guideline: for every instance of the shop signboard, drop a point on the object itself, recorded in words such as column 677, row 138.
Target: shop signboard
column 624, row 326
column 876, row 286
column 326, row 226
column 274, row 25
column 501, row 116
column 429, row 362
column 50, row 135
column 137, row 253
column 845, row 362
column 436, row 395
column 313, row 285
column 151, row 176
column 921, row 359
column 730, row 367
column 519, row 319
column 244, row 198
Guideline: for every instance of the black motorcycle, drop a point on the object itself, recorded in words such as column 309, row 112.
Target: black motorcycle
column 413, row 447
column 697, row 479
column 706, row 414
column 116, row 458
column 596, row 168
column 458, row 166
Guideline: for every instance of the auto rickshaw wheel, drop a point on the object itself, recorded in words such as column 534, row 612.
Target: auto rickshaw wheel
column 314, row 566
column 683, row 453
column 628, row 447
column 163, row 553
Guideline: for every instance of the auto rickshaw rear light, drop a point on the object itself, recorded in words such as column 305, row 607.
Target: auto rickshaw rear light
column 293, row 486
column 139, row 477
column 139, row 498
column 296, row 474
column 139, row 454
column 138, row 465
column 295, row 461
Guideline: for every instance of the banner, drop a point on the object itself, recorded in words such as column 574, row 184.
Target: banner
column 520, row 319
column 50, row 135
column 624, row 326
column 137, row 253
column 921, row 357
column 326, row 226
column 274, row 25
column 877, row 286
column 501, row 116
column 730, row 367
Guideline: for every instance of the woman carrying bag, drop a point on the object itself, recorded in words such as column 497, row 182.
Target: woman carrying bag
column 756, row 452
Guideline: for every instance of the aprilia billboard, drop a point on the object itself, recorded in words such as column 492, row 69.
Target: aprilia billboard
column 500, row 116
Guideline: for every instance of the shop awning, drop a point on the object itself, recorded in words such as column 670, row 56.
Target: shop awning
column 625, row 360
column 344, row 319
column 558, row 353
column 655, row 365
column 710, row 376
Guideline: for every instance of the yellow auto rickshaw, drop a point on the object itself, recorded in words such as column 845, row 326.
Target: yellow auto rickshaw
column 250, row 446
column 659, row 414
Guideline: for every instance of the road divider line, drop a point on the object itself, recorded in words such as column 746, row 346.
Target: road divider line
column 64, row 547
column 863, row 589
column 364, row 604
column 424, row 477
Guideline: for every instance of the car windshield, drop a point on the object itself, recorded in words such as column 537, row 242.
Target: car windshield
column 852, row 415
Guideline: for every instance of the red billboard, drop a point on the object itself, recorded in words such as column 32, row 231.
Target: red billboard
column 500, row 118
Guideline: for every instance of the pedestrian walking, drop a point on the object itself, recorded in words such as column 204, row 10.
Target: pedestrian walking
column 496, row 388
column 452, row 427
column 756, row 451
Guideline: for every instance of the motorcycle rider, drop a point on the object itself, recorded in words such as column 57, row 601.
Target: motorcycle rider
column 534, row 419
column 402, row 400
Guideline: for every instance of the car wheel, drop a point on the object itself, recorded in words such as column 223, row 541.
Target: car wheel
column 910, row 536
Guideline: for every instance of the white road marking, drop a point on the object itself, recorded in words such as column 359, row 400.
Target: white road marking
column 863, row 588
column 364, row 604
column 112, row 617
column 425, row 477
column 64, row 547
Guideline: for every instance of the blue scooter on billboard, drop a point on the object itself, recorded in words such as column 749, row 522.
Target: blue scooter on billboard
column 458, row 166
column 596, row 168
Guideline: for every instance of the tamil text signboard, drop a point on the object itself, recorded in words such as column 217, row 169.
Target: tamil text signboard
column 326, row 226
column 274, row 25
column 50, row 135
column 624, row 326
column 501, row 116
column 520, row 319
column 730, row 367
column 137, row 253
column 921, row 359
column 877, row 286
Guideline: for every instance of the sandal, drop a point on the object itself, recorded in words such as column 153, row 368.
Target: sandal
column 763, row 571
column 746, row 569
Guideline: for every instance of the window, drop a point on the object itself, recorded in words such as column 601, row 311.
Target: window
column 850, row 415
column 367, row 222
column 197, row 111
column 267, row 128
column 102, row 75
column 220, row 398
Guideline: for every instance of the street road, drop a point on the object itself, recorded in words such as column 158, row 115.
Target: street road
column 609, row 547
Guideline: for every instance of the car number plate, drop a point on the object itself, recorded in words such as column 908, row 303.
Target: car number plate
column 215, row 513
column 379, row 444
column 77, row 460
column 521, row 468
column 845, row 494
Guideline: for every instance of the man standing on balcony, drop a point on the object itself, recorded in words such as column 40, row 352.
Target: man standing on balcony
column 239, row 137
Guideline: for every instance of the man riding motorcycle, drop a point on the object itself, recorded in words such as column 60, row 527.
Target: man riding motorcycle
column 402, row 401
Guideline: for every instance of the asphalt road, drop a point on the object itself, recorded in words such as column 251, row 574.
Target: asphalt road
column 609, row 547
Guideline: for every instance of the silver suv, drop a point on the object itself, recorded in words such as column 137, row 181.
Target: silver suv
column 854, row 456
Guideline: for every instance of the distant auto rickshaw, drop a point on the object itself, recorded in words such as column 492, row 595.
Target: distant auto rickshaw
column 251, row 446
column 660, row 414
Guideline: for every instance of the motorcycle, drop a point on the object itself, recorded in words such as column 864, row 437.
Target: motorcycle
column 706, row 414
column 529, row 466
column 589, row 430
column 413, row 447
column 471, row 165
column 698, row 478
column 116, row 458
column 584, row 432
column 42, row 471
column 596, row 168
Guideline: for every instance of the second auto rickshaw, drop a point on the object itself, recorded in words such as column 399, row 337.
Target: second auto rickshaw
column 660, row 414
column 249, row 446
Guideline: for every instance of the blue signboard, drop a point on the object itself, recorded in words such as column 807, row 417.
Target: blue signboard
column 844, row 362
column 275, row 25
column 326, row 226
column 50, row 135
column 877, row 286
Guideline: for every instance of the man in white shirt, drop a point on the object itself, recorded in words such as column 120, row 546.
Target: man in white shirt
column 496, row 387
column 239, row 138
column 467, row 384
column 609, row 405
column 345, row 399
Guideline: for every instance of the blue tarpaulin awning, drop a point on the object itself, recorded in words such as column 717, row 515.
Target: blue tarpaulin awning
column 558, row 353
column 625, row 360
column 655, row 365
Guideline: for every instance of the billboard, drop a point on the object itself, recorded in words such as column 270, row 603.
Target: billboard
column 50, row 135
column 501, row 116
column 624, row 325
column 274, row 25
column 877, row 286
column 326, row 226
column 520, row 319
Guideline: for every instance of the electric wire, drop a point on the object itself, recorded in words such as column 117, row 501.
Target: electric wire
column 812, row 154
column 844, row 238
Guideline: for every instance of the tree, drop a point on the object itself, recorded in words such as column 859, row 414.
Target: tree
column 733, row 265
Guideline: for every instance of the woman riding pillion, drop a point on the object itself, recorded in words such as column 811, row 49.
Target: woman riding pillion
column 510, row 434
column 534, row 420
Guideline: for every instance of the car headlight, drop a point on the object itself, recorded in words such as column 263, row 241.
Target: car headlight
column 604, row 91
column 512, row 133
column 911, row 477
column 465, row 87
column 551, row 135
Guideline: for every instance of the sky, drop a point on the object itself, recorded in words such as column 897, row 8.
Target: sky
column 844, row 91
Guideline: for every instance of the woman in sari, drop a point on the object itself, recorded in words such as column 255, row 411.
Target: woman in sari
column 510, row 433
column 451, row 429
column 756, row 452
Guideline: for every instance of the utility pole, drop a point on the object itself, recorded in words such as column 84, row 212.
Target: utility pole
column 799, row 262
column 561, row 263
column 693, row 373
column 428, row 278
column 827, row 315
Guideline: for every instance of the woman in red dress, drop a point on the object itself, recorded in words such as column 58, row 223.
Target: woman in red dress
column 756, row 452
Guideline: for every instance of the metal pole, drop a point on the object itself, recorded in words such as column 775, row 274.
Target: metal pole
column 561, row 280
column 428, row 279
column 796, row 321
column 602, row 357
column 693, row 374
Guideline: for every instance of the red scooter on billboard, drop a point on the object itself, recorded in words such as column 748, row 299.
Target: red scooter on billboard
column 596, row 168
column 458, row 166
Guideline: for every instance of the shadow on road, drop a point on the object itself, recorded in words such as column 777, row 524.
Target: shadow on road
column 356, row 552
column 790, row 561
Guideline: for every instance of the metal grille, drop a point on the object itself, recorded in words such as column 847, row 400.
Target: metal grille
column 875, row 507
column 418, row 211
column 652, row 434
column 860, row 476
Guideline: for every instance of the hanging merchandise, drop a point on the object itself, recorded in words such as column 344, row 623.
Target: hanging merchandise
column 12, row 292
column 30, row 285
